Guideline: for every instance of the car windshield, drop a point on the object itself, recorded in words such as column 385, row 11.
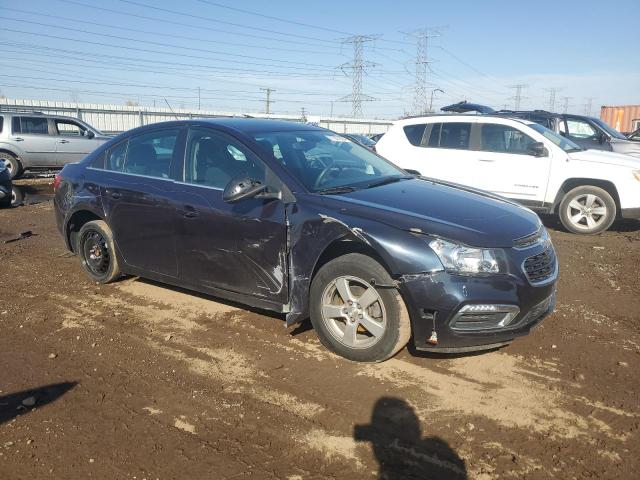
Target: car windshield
column 564, row 143
column 326, row 162
column 611, row 131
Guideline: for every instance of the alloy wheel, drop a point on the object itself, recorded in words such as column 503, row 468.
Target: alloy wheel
column 353, row 312
column 587, row 211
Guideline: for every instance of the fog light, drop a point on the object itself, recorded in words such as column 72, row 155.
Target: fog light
column 484, row 317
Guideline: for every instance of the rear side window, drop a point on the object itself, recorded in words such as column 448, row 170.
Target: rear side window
column 116, row 156
column 454, row 135
column 1, row 123
column 415, row 133
column 504, row 139
column 150, row 154
column 31, row 125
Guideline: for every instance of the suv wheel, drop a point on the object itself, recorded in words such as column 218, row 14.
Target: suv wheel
column 587, row 210
column 12, row 163
column 351, row 316
column 96, row 250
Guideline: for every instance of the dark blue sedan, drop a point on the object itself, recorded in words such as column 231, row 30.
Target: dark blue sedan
column 302, row 221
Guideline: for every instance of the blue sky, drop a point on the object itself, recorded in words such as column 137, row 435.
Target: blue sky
column 147, row 51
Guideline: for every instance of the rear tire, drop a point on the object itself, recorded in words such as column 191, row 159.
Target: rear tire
column 12, row 163
column 587, row 210
column 374, row 326
column 97, row 252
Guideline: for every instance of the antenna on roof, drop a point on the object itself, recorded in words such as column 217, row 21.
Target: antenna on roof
column 174, row 114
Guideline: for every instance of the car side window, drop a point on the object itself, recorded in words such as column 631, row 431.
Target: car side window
column 504, row 139
column 31, row 125
column 453, row 135
column 1, row 123
column 115, row 157
column 580, row 129
column 150, row 154
column 213, row 159
column 415, row 133
column 70, row 128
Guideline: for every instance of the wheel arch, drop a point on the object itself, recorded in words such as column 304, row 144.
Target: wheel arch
column 75, row 222
column 572, row 183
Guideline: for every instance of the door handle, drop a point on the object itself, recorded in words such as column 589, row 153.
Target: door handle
column 116, row 195
column 19, row 139
column 63, row 141
column 486, row 160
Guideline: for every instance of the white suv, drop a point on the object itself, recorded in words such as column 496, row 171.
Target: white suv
column 521, row 160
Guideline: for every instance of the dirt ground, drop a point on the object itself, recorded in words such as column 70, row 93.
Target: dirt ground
column 135, row 380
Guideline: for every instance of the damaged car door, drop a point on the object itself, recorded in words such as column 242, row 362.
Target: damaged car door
column 239, row 247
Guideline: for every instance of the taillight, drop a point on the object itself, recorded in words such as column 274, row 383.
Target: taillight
column 56, row 182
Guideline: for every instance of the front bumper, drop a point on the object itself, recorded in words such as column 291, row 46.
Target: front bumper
column 439, row 297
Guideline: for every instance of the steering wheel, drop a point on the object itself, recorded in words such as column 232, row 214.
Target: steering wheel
column 325, row 171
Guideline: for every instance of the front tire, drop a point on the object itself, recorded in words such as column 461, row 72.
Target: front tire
column 12, row 163
column 587, row 210
column 354, row 318
column 97, row 252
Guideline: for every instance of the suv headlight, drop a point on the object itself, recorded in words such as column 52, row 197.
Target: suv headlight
column 468, row 260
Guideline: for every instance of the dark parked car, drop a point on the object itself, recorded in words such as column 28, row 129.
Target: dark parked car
column 361, row 139
column 587, row 132
column 5, row 186
column 299, row 220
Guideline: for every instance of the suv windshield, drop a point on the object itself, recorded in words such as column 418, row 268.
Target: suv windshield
column 611, row 131
column 564, row 143
column 325, row 161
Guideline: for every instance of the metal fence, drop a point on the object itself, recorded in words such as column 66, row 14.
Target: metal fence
column 118, row 118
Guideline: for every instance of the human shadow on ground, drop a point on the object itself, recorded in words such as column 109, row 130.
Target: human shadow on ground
column 400, row 449
column 19, row 403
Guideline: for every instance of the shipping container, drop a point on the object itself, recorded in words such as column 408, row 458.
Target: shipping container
column 624, row 118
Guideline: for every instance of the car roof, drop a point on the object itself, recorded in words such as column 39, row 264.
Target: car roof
column 458, row 116
column 257, row 125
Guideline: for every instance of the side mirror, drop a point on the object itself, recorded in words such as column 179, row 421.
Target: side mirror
column 602, row 137
column 537, row 149
column 415, row 173
column 90, row 134
column 244, row 187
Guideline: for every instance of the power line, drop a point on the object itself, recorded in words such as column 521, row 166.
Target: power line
column 357, row 68
column 165, row 34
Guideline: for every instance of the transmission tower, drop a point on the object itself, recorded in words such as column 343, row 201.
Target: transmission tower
column 517, row 98
column 552, row 97
column 422, row 61
column 565, row 104
column 356, row 69
column 267, row 100
column 588, row 106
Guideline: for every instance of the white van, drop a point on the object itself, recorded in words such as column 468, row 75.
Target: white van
column 520, row 160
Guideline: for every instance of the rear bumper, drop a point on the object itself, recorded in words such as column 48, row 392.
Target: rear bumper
column 631, row 213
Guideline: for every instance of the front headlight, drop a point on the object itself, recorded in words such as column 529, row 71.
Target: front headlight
column 636, row 173
column 467, row 260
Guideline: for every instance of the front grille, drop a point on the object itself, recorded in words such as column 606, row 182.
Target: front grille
column 540, row 267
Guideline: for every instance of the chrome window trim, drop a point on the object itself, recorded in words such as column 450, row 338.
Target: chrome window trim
column 131, row 174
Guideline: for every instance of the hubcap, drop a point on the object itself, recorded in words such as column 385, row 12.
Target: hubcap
column 96, row 254
column 354, row 312
column 587, row 211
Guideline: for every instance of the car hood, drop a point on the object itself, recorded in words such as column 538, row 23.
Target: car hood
column 608, row 158
column 447, row 210
column 628, row 147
